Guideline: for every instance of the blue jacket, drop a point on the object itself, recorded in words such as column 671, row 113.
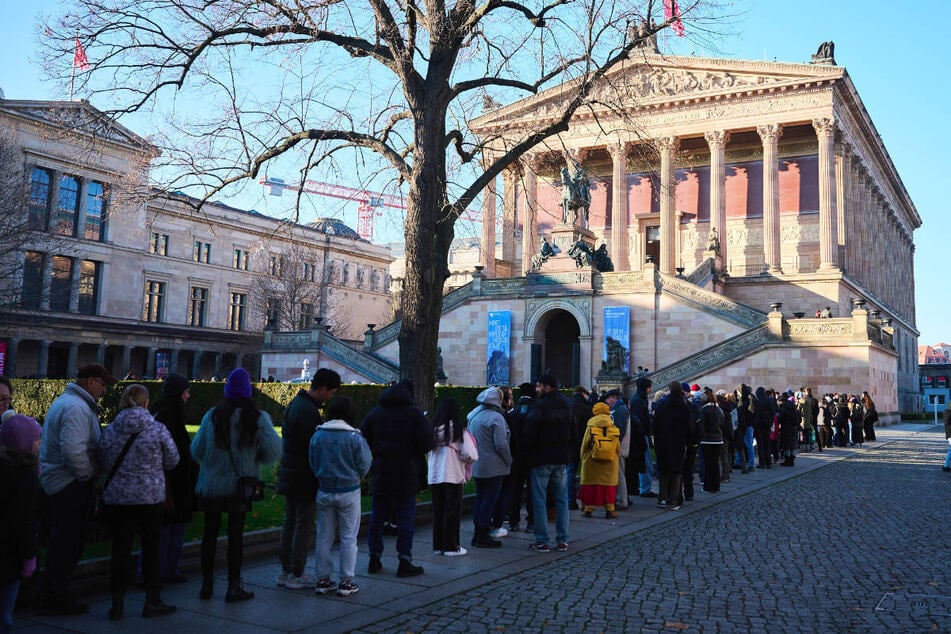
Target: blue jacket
column 218, row 476
column 339, row 457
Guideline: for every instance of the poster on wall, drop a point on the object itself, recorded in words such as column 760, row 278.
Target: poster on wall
column 3, row 357
column 161, row 365
column 617, row 338
column 499, row 351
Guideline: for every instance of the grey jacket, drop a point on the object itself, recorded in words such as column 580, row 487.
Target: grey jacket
column 70, row 440
column 491, row 432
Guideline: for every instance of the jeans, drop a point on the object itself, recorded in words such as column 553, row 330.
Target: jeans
column 487, row 492
column 69, row 510
column 748, row 441
column 337, row 510
column 647, row 475
column 297, row 532
column 947, row 459
column 550, row 477
column 571, row 472
column 146, row 519
column 209, row 545
column 447, row 513
column 8, row 600
column 403, row 507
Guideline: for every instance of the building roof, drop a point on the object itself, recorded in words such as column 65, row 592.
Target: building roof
column 334, row 227
column 928, row 356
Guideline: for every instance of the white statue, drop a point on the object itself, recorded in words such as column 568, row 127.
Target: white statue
column 305, row 370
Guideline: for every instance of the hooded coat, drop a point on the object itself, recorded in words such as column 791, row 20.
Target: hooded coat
column 672, row 422
column 140, row 478
column 19, row 491
column 788, row 426
column 301, row 420
column 599, row 472
column 399, row 436
column 548, row 434
column 491, row 432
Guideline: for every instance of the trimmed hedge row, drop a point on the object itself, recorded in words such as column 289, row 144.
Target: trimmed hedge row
column 34, row 396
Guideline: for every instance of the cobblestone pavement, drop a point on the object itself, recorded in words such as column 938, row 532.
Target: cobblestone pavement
column 861, row 545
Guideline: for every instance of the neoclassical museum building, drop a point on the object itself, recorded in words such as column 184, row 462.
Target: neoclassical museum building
column 758, row 231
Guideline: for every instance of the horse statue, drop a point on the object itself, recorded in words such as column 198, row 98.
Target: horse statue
column 576, row 194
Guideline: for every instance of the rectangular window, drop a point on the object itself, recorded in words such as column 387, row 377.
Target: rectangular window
column 308, row 272
column 153, row 307
column 39, row 198
column 273, row 313
column 62, row 283
column 95, row 206
column 197, row 306
column 240, row 260
column 274, row 265
column 306, row 316
column 202, row 252
column 88, row 287
column 237, row 313
column 64, row 216
column 158, row 244
column 33, row 280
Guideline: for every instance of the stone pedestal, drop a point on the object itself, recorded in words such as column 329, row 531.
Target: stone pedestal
column 563, row 236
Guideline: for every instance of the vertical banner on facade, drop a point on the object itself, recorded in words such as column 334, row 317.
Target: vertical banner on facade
column 161, row 365
column 499, row 350
column 3, row 357
column 617, row 337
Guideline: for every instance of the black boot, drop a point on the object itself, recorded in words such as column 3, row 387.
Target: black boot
column 237, row 593
column 375, row 564
column 154, row 606
column 407, row 569
column 482, row 539
column 207, row 587
column 116, row 611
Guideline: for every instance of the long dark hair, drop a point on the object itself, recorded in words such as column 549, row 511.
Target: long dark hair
column 247, row 422
column 450, row 417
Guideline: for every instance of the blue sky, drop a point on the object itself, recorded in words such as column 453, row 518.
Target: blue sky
column 897, row 61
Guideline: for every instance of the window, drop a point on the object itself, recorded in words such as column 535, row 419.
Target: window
column 61, row 285
column 237, row 313
column 240, row 260
column 154, row 305
column 33, row 280
column 64, row 216
column 274, row 265
column 158, row 244
column 197, row 306
column 95, row 204
column 39, row 198
column 308, row 272
column 88, row 287
column 306, row 316
column 202, row 252
column 273, row 313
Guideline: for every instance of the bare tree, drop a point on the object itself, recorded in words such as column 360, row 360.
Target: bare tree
column 287, row 295
column 14, row 219
column 253, row 85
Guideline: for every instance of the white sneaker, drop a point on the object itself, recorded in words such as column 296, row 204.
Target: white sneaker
column 281, row 580
column 498, row 532
column 439, row 553
column 459, row 552
column 303, row 581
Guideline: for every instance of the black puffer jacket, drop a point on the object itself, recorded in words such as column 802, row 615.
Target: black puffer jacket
column 181, row 480
column 548, row 435
column 399, row 436
column 301, row 420
column 19, row 490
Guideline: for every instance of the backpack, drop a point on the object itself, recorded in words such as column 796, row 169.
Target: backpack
column 606, row 446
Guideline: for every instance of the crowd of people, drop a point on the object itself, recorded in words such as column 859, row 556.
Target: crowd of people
column 534, row 455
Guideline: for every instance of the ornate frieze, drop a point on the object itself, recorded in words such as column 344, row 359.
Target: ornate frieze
column 503, row 286
column 819, row 328
column 624, row 281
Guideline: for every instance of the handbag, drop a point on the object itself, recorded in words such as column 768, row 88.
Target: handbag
column 249, row 488
column 99, row 511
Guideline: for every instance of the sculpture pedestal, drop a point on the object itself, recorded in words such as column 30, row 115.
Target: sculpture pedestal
column 563, row 236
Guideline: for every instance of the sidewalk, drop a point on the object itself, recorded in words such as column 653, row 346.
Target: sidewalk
column 383, row 595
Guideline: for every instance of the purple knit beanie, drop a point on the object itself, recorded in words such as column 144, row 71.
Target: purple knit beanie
column 20, row 432
column 238, row 384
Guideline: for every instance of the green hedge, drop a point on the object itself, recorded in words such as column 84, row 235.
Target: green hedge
column 34, row 396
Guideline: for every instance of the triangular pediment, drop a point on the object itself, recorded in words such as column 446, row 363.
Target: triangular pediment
column 77, row 117
column 656, row 79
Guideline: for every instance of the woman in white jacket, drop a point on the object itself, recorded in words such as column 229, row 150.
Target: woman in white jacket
column 450, row 465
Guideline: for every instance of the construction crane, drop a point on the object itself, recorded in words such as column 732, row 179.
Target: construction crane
column 371, row 203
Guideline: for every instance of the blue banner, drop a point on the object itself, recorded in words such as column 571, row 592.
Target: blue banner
column 499, row 347
column 617, row 335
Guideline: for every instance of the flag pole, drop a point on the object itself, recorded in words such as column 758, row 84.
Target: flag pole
column 72, row 72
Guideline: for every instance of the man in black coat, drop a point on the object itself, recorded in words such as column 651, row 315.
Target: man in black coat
column 641, row 462
column 399, row 435
column 548, row 438
column 521, row 470
column 296, row 481
column 580, row 415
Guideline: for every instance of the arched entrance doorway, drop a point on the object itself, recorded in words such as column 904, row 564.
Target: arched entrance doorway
column 559, row 349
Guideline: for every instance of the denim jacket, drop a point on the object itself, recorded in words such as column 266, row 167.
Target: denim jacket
column 339, row 456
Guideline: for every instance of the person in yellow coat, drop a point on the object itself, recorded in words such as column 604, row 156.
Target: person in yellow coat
column 600, row 452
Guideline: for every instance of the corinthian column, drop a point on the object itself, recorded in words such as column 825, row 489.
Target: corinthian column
column 825, row 132
column 769, row 134
column 668, row 189
column 529, row 223
column 717, row 140
column 488, row 229
column 619, row 210
column 508, row 217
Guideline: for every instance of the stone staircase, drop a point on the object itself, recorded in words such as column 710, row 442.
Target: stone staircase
column 710, row 302
column 716, row 356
